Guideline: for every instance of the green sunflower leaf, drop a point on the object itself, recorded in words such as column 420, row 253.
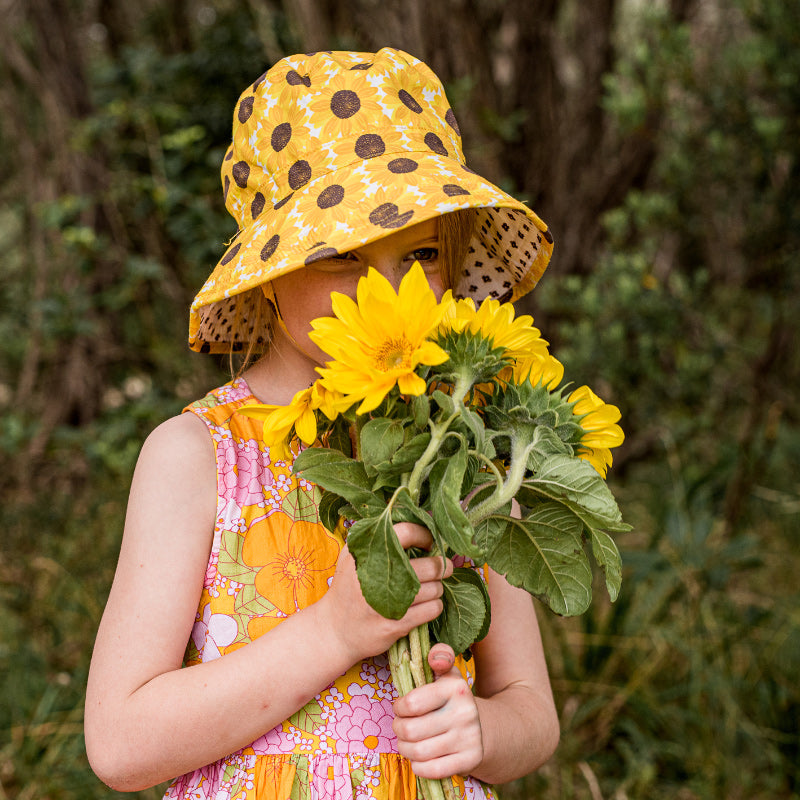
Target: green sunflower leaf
column 380, row 440
column 544, row 555
column 339, row 437
column 467, row 610
column 489, row 531
column 335, row 472
column 446, row 479
column 405, row 510
column 422, row 411
column 388, row 581
column 577, row 485
column 408, row 455
column 330, row 507
column 607, row 556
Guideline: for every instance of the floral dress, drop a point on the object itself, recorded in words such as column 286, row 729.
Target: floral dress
column 271, row 557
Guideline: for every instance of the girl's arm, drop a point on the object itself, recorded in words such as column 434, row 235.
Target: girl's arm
column 510, row 727
column 147, row 719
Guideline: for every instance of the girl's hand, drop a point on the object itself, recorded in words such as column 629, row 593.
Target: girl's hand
column 362, row 630
column 437, row 726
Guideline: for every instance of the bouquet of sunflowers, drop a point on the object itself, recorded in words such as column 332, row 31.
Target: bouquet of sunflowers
column 443, row 414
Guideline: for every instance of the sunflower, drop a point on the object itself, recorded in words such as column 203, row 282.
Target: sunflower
column 280, row 420
column 546, row 370
column 495, row 322
column 380, row 340
column 598, row 420
column 329, row 402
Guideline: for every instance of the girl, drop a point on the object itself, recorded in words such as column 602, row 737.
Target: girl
column 339, row 161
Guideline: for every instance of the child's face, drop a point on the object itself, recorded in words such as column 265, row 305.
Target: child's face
column 305, row 294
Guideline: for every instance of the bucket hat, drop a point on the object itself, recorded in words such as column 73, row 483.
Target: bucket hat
column 333, row 150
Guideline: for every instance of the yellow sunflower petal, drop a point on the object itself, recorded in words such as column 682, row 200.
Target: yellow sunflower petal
column 411, row 384
column 306, row 426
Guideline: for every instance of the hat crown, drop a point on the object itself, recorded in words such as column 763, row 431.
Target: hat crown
column 311, row 115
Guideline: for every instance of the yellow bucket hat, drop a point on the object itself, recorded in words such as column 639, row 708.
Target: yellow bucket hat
column 334, row 150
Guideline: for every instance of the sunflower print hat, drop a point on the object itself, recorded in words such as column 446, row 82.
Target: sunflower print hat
column 334, row 150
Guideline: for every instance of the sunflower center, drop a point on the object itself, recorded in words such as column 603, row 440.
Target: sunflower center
column 393, row 353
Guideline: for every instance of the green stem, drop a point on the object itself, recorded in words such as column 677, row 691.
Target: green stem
column 408, row 659
column 400, row 666
column 425, row 647
column 449, row 789
column 438, row 432
column 520, row 449
column 418, row 658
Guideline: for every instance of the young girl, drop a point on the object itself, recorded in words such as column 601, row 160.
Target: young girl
column 339, row 161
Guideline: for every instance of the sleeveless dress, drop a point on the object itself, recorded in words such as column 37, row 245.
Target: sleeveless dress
column 271, row 557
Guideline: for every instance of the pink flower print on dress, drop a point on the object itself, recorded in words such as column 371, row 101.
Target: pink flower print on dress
column 324, row 746
column 328, row 780
column 364, row 725
column 198, row 785
column 274, row 742
column 243, row 472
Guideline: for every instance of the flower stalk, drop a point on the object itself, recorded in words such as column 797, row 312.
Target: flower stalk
column 408, row 662
column 520, row 450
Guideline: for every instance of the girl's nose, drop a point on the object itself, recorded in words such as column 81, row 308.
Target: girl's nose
column 391, row 268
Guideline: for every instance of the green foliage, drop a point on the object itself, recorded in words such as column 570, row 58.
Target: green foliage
column 687, row 685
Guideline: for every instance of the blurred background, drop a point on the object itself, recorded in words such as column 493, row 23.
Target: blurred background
column 659, row 140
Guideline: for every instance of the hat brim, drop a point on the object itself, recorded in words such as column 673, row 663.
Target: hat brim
column 355, row 205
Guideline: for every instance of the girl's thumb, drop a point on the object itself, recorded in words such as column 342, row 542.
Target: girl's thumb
column 441, row 658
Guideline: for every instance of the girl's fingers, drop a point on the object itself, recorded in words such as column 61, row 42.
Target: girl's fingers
column 421, row 701
column 432, row 568
column 441, row 659
column 444, row 767
column 412, row 535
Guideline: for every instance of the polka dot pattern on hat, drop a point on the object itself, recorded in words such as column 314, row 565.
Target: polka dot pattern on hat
column 333, row 150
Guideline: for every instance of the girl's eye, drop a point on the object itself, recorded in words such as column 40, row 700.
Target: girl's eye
column 344, row 262
column 425, row 254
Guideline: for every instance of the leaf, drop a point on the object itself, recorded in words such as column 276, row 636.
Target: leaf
column 467, row 610
column 421, row 405
column 577, row 485
column 489, row 530
column 405, row 510
column 445, row 481
column 546, row 442
column 330, row 507
column 339, row 437
column 544, row 555
column 231, row 562
column 301, row 505
column 335, row 472
column 475, row 425
column 308, row 717
column 408, row 455
column 607, row 556
column 252, row 604
column 388, row 581
column 444, row 401
column 380, row 440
